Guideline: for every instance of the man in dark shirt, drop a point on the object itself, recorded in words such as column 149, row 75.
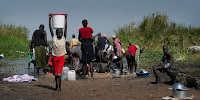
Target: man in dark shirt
column 168, row 61
column 101, row 46
column 39, row 41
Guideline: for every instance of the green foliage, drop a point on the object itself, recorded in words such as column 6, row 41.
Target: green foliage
column 13, row 41
column 13, row 47
column 156, row 30
column 12, row 30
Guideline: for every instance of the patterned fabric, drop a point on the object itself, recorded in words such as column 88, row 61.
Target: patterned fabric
column 40, row 56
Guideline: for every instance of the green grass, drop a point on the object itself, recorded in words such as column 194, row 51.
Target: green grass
column 13, row 41
column 13, row 47
column 156, row 30
column 183, row 61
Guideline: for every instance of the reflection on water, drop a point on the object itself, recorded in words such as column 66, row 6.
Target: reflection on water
column 16, row 66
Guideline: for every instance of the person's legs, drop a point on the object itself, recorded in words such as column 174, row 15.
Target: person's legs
column 84, row 69
column 128, row 62
column 55, row 71
column 56, row 79
column 91, row 69
column 155, row 71
column 60, row 68
column 59, row 78
column 58, row 82
column 134, row 63
column 43, row 58
column 37, row 51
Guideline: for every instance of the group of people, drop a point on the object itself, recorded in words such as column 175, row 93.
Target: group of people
column 86, row 52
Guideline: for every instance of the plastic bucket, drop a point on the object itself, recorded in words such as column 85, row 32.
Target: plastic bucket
column 58, row 20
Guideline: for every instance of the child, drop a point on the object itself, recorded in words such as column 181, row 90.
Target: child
column 31, row 55
column 58, row 52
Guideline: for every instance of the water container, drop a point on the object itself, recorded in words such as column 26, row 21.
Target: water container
column 58, row 20
column 65, row 72
column 72, row 75
column 118, row 73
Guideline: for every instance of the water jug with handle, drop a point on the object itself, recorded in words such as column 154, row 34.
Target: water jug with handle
column 71, row 75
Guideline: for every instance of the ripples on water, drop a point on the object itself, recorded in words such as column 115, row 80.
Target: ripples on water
column 16, row 66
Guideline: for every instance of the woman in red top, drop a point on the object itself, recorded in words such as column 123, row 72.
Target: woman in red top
column 130, row 57
column 85, row 37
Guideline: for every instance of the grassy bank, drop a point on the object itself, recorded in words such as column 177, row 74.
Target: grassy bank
column 156, row 30
column 14, row 41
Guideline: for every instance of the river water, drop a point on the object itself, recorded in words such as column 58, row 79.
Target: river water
column 17, row 66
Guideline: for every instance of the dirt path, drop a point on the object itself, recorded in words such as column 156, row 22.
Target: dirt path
column 129, row 88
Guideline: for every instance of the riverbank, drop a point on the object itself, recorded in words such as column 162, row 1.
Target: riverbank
column 104, row 86
column 98, row 89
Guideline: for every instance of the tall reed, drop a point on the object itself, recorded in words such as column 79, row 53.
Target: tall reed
column 14, row 41
column 156, row 30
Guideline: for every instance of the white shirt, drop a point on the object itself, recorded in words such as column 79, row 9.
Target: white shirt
column 58, row 46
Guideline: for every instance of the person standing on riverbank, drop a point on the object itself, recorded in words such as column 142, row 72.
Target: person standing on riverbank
column 85, row 37
column 58, row 51
column 39, row 41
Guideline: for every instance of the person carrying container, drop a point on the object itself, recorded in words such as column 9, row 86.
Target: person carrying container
column 58, row 51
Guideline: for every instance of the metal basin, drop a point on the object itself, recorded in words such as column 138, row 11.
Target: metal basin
column 179, row 91
column 180, row 94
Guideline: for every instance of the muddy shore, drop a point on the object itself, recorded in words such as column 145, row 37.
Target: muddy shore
column 129, row 88
column 104, row 86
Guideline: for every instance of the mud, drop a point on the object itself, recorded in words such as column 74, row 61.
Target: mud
column 104, row 86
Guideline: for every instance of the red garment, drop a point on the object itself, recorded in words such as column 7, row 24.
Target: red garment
column 50, row 61
column 58, row 63
column 86, row 32
column 131, row 49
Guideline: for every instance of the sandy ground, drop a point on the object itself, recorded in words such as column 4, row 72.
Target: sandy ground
column 103, row 87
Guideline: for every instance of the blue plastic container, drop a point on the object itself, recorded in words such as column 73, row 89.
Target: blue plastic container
column 142, row 74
